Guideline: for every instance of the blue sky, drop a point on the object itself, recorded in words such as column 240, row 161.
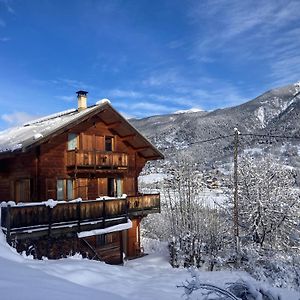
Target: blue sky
column 147, row 57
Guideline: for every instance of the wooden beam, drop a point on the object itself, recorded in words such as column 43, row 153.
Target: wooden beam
column 114, row 125
column 141, row 148
column 128, row 137
column 151, row 157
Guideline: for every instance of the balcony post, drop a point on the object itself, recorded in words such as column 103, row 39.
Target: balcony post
column 104, row 214
column 8, row 225
column 127, row 207
column 95, row 159
column 75, row 159
column 49, row 230
column 78, row 215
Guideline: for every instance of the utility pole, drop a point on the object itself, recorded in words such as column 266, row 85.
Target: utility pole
column 235, row 199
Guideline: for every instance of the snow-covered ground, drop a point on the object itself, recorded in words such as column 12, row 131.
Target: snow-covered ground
column 152, row 178
column 74, row 278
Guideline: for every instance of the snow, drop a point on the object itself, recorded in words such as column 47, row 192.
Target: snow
column 5, row 204
column 103, row 101
column 16, row 138
column 188, row 111
column 110, row 229
column 74, row 278
column 236, row 130
column 152, row 178
column 124, row 196
column 252, row 151
column 49, row 117
column 297, row 84
column 37, row 136
column 260, row 114
column 51, row 203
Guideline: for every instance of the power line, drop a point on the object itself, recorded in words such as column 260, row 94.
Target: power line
column 232, row 135
column 270, row 135
column 199, row 142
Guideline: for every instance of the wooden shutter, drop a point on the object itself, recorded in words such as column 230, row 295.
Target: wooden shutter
column 102, row 186
column 50, row 188
column 99, row 142
column 82, row 188
column 87, row 142
column 93, row 188
column 22, row 190
column 129, row 186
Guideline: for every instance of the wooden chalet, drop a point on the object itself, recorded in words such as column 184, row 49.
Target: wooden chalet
column 86, row 160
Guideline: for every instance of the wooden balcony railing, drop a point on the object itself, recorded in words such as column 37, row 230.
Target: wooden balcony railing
column 144, row 204
column 33, row 220
column 96, row 159
column 38, row 219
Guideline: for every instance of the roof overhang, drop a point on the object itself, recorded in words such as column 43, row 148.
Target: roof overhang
column 116, row 123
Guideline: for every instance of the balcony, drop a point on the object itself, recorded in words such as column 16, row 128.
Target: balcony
column 34, row 220
column 143, row 204
column 97, row 160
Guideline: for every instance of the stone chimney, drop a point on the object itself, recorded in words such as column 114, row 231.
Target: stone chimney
column 82, row 98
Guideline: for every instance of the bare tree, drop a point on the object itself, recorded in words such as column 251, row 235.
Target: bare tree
column 269, row 203
column 198, row 231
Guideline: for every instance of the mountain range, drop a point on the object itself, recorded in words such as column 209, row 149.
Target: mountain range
column 276, row 112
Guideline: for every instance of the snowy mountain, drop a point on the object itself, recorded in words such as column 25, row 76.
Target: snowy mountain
column 276, row 112
column 188, row 111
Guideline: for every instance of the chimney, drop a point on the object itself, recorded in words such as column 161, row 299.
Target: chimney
column 82, row 98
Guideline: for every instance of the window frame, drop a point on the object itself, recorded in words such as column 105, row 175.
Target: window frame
column 73, row 141
column 111, row 148
column 65, row 191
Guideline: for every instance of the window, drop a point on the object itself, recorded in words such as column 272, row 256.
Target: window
column 70, row 194
column 119, row 187
column 114, row 187
column 60, row 189
column 110, row 187
column 72, row 141
column 64, row 189
column 108, row 143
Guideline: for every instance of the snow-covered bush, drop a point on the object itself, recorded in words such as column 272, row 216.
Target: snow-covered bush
column 198, row 232
column 269, row 206
column 238, row 290
column 280, row 269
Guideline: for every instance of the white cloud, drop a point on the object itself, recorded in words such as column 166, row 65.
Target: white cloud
column 124, row 94
column 166, row 77
column 240, row 22
column 67, row 98
column 18, row 118
column 64, row 82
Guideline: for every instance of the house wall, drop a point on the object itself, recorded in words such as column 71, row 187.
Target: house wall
column 36, row 173
column 47, row 163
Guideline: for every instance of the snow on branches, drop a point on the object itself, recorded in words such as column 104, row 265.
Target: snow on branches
column 269, row 205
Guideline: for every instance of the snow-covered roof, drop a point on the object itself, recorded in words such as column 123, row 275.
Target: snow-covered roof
column 35, row 132
column 19, row 138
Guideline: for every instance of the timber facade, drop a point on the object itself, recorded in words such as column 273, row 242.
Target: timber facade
column 88, row 162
